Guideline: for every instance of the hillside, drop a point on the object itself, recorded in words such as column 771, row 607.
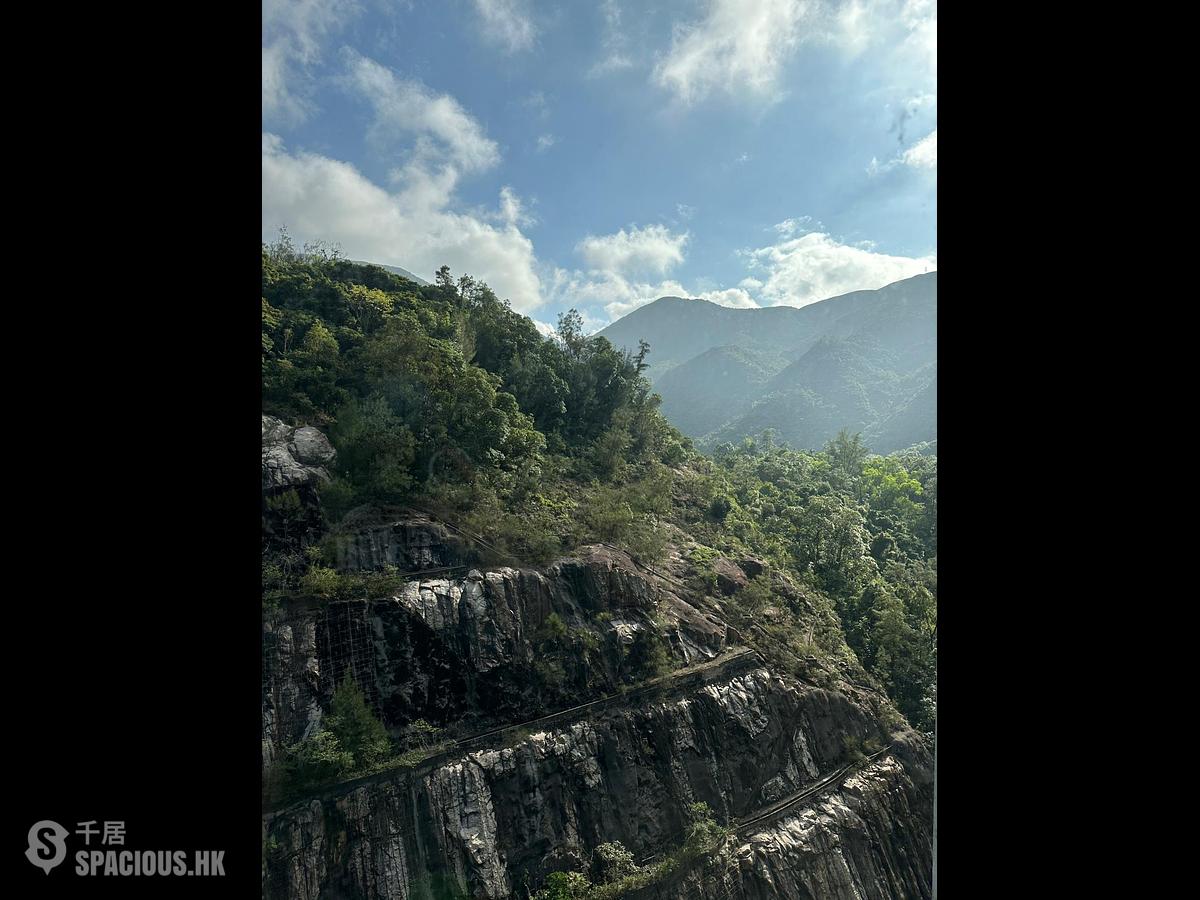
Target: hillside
column 853, row 361
column 520, row 638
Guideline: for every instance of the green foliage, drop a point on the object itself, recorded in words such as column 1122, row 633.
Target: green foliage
column 318, row 760
column 860, row 530
column 617, row 874
column 565, row 886
column 444, row 396
column 357, row 730
column 648, row 655
column 321, row 582
column 611, row 862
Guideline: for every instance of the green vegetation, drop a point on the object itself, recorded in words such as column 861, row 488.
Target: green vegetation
column 614, row 872
column 351, row 743
column 441, row 395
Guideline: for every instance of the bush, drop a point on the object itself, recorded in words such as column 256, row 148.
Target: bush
column 612, row 862
column 719, row 507
column 321, row 582
column 565, row 886
column 356, row 728
column 315, row 761
column 648, row 654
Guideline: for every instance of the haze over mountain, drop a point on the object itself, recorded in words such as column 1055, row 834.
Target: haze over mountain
column 395, row 270
column 866, row 361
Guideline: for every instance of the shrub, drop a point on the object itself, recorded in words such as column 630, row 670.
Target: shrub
column 648, row 654
column 612, row 862
column 358, row 731
column 314, row 761
column 321, row 582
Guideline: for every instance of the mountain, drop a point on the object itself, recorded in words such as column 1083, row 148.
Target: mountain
column 866, row 361
column 395, row 270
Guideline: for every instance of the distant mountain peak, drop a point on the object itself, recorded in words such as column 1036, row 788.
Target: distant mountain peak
column 863, row 360
column 396, row 270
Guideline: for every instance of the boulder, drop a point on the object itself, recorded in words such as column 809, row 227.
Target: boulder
column 293, row 457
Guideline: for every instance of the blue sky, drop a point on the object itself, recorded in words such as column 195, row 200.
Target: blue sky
column 599, row 155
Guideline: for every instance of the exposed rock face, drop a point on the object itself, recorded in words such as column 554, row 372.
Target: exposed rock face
column 492, row 818
column 442, row 649
column 411, row 541
column 293, row 457
column 730, row 578
column 871, row 838
column 495, row 820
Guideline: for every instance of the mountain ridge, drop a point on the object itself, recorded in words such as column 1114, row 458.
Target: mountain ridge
column 854, row 360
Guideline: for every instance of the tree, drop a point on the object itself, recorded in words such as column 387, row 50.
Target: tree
column 570, row 331
column 369, row 306
column 648, row 655
column 356, row 728
column 847, row 452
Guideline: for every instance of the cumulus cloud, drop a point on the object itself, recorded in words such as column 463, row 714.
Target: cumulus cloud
column 545, row 142
column 921, row 155
column 739, row 45
column 615, row 294
column 628, row 269
column 733, row 297
column 653, row 250
column 802, row 270
column 292, row 34
column 319, row 198
column 507, row 23
column 447, row 135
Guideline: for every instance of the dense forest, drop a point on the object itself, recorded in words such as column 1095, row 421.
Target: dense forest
column 442, row 396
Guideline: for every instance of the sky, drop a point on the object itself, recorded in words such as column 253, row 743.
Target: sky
column 599, row 155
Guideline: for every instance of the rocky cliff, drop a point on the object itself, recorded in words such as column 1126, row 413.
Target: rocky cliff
column 589, row 702
column 493, row 819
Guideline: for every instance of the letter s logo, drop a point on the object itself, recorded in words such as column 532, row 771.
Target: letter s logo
column 47, row 845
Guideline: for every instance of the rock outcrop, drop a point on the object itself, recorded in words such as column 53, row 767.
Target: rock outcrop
column 494, row 822
column 293, row 457
column 466, row 650
column 492, row 819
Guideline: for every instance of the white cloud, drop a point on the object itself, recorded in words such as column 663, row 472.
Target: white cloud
column 740, row 45
column 507, row 23
column 815, row 266
column 614, row 293
column 654, row 249
column 614, row 43
column 733, row 297
column 447, row 135
column 789, row 227
column 923, row 154
column 545, row 142
column 292, row 33
column 628, row 269
column 319, row 198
